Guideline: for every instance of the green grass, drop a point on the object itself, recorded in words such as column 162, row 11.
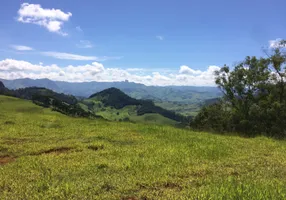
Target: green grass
column 46, row 155
column 153, row 118
column 184, row 108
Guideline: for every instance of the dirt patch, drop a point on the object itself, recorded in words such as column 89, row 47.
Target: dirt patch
column 158, row 186
column 9, row 123
column 129, row 198
column 95, row 147
column 57, row 151
column 172, row 185
column 133, row 198
column 6, row 159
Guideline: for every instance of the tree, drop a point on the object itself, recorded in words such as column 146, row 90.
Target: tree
column 254, row 98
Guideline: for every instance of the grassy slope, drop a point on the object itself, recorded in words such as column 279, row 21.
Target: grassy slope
column 51, row 156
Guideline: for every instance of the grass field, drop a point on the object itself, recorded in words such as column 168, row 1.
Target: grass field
column 182, row 108
column 46, row 155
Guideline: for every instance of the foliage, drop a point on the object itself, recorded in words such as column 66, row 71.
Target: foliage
column 254, row 97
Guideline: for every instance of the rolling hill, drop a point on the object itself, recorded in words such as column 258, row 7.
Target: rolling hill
column 48, row 155
column 113, row 104
column 186, row 100
column 110, row 104
column 66, row 104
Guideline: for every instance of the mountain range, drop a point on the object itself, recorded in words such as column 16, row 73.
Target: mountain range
column 187, row 94
column 111, row 104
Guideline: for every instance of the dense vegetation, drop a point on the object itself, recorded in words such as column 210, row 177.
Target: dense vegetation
column 47, row 155
column 254, row 100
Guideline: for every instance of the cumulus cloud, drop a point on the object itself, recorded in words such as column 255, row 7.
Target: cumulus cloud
column 13, row 69
column 276, row 43
column 84, row 44
column 134, row 69
column 51, row 19
column 186, row 70
column 22, row 48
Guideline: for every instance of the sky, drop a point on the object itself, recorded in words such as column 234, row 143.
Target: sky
column 154, row 42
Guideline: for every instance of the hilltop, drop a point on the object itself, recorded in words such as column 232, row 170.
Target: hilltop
column 113, row 104
column 115, row 98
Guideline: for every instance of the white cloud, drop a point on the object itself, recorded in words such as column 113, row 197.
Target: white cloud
column 276, row 43
column 13, row 69
column 51, row 19
column 134, row 69
column 11, row 65
column 78, row 28
column 186, row 70
column 84, row 44
column 160, row 37
column 67, row 56
column 22, row 48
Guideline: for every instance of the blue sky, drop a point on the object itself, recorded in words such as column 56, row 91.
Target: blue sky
column 152, row 42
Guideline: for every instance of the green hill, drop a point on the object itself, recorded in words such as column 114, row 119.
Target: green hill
column 66, row 104
column 115, row 98
column 113, row 104
column 48, row 155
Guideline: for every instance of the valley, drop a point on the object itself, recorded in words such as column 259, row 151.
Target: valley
column 186, row 100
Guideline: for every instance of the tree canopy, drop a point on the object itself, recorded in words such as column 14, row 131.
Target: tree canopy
column 254, row 99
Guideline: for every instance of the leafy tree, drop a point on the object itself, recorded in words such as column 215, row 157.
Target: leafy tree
column 254, row 100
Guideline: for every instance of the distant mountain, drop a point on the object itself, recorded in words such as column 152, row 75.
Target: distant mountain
column 26, row 82
column 113, row 104
column 185, row 94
